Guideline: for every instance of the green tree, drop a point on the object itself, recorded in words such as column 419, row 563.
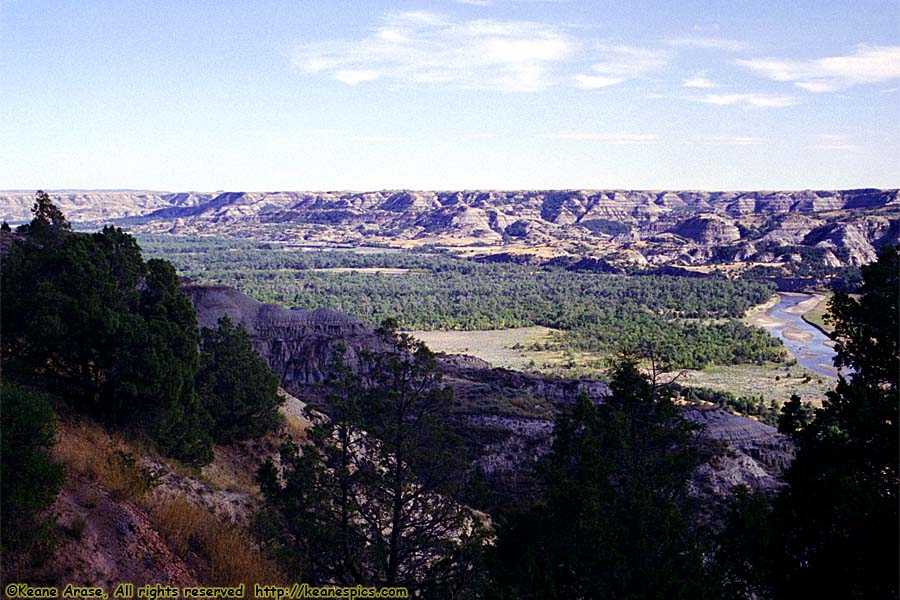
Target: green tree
column 29, row 479
column 86, row 318
column 837, row 522
column 613, row 521
column 235, row 385
column 48, row 219
column 374, row 500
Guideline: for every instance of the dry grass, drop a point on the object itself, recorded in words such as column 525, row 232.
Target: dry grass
column 296, row 428
column 772, row 382
column 232, row 469
column 229, row 555
column 508, row 348
column 90, row 451
column 219, row 553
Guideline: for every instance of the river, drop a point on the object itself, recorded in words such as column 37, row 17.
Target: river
column 812, row 348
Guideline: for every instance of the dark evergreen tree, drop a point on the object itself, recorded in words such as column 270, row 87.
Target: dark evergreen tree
column 29, row 479
column 837, row 521
column 374, row 500
column 48, row 218
column 85, row 317
column 613, row 522
column 743, row 559
column 311, row 518
column 235, row 384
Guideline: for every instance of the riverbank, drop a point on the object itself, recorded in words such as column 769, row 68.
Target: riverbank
column 782, row 316
column 816, row 316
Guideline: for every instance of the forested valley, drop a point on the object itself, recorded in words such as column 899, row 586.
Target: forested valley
column 689, row 322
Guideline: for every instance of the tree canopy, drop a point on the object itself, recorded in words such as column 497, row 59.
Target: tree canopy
column 85, row 317
column 612, row 522
column 235, row 384
column 31, row 479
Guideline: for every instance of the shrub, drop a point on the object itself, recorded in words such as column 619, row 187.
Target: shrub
column 29, row 479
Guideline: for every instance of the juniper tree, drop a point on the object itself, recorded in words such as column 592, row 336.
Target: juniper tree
column 613, row 520
column 235, row 384
column 374, row 499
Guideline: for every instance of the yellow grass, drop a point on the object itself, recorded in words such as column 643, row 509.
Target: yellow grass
column 772, row 382
column 90, row 451
column 229, row 554
column 296, row 428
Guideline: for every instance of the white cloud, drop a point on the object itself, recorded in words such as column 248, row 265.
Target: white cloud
column 423, row 48
column 868, row 64
column 836, row 141
column 709, row 43
column 854, row 148
column 749, row 99
column 593, row 82
column 376, row 138
column 618, row 138
column 618, row 64
column 700, row 82
column 354, row 76
column 726, row 140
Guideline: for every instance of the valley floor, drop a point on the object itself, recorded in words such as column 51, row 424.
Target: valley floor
column 531, row 349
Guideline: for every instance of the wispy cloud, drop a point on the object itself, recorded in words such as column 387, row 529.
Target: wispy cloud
column 726, row 140
column 836, row 141
column 618, row 138
column 709, row 43
column 354, row 76
column 374, row 139
column 618, row 64
column 868, row 64
column 700, row 82
column 749, row 99
column 423, row 48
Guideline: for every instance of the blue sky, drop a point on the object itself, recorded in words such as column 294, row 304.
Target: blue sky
column 503, row 94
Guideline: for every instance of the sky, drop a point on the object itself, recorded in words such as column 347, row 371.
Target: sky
column 449, row 94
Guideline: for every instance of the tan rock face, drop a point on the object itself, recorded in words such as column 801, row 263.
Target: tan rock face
column 711, row 231
column 852, row 224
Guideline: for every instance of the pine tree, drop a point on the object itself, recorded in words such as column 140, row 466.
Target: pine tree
column 236, row 385
column 837, row 521
column 613, row 522
column 83, row 316
column 31, row 480
column 374, row 499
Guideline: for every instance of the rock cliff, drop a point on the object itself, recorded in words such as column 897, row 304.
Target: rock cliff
column 505, row 416
column 687, row 227
column 298, row 344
